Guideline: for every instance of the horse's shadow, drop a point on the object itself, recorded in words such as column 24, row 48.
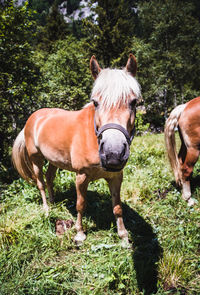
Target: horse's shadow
column 146, row 249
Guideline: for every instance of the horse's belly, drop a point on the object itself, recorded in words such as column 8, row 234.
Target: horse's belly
column 80, row 164
column 65, row 160
column 58, row 158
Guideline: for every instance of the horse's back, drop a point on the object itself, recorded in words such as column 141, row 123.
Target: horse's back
column 189, row 123
column 35, row 124
column 193, row 107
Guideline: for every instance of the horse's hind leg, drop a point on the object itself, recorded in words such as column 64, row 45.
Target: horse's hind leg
column 81, row 190
column 50, row 175
column 187, row 166
column 115, row 186
column 181, row 156
column 38, row 171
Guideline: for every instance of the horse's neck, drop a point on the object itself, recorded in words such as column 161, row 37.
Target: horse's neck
column 88, row 113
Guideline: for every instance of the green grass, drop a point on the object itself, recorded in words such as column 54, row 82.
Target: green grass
column 163, row 230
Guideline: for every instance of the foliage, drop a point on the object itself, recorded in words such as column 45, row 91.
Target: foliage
column 42, row 8
column 54, row 29
column 18, row 74
column 163, row 230
column 111, row 32
column 72, row 5
column 51, row 21
column 168, row 51
column 66, row 77
column 140, row 124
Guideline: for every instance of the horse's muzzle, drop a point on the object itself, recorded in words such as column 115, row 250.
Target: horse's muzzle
column 113, row 160
column 114, row 149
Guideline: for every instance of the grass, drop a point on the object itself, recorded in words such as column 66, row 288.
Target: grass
column 163, row 230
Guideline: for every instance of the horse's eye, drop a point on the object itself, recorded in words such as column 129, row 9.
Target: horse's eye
column 132, row 104
column 95, row 103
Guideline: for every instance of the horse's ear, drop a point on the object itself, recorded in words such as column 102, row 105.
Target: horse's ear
column 131, row 65
column 94, row 67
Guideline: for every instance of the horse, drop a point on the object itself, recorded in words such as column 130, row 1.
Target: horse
column 187, row 118
column 93, row 142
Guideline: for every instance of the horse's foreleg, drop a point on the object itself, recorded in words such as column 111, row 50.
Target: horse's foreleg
column 50, row 175
column 37, row 168
column 187, row 169
column 115, row 186
column 81, row 190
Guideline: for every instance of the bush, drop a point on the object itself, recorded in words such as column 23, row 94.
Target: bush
column 66, row 77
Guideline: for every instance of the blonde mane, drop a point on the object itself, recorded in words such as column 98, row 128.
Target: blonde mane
column 114, row 87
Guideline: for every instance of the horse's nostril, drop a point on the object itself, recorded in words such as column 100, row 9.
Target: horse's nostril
column 109, row 156
column 123, row 151
column 101, row 147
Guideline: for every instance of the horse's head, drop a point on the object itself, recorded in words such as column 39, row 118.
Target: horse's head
column 114, row 95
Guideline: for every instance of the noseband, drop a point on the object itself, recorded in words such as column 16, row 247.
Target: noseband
column 99, row 132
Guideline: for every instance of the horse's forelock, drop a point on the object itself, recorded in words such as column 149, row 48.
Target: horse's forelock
column 114, row 87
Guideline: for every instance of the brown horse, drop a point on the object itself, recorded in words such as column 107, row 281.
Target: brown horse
column 93, row 142
column 187, row 118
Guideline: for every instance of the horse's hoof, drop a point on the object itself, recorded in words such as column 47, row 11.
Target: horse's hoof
column 46, row 210
column 192, row 202
column 79, row 238
column 126, row 244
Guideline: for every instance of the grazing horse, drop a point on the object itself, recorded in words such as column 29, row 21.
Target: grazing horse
column 187, row 118
column 93, row 142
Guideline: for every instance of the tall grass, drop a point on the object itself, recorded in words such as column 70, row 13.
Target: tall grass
column 163, row 230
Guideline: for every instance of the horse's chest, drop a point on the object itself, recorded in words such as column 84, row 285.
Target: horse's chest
column 82, row 159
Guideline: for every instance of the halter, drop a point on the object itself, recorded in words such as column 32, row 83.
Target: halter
column 99, row 132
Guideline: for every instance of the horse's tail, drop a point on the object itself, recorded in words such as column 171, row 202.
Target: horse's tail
column 20, row 158
column 170, row 126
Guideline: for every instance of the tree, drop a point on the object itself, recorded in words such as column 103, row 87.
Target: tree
column 42, row 9
column 168, row 70
column 18, row 73
column 51, row 23
column 66, row 78
column 110, row 34
column 54, row 29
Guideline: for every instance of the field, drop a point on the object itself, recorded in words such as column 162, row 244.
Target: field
column 164, row 234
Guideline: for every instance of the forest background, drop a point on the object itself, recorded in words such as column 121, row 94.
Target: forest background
column 45, row 48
